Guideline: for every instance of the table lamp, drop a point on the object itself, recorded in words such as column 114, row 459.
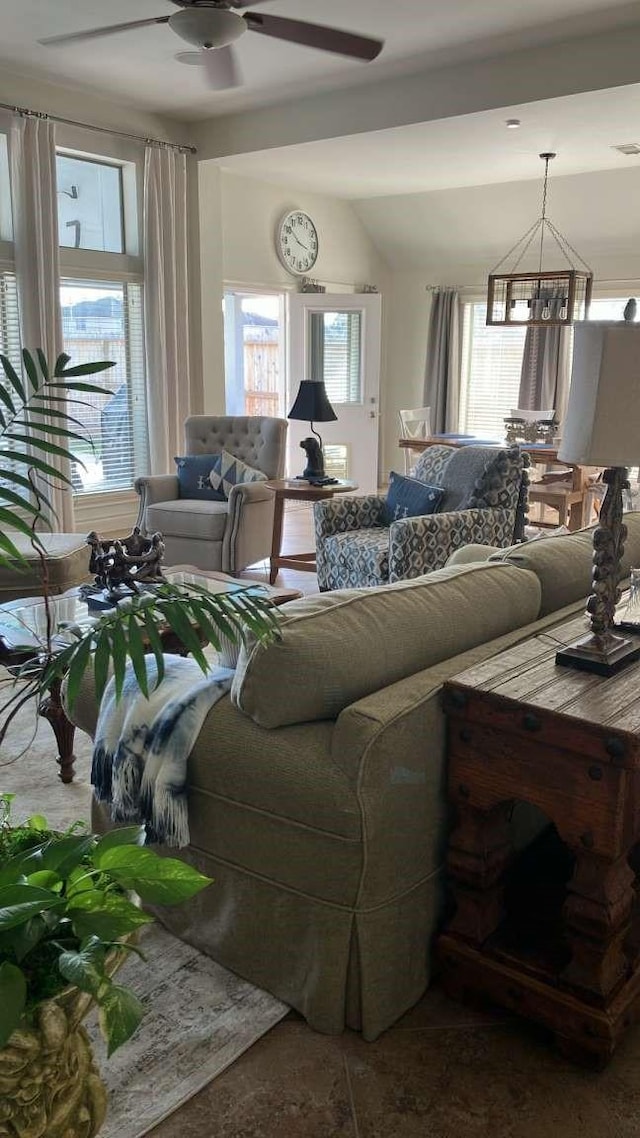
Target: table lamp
column 312, row 405
column 602, row 428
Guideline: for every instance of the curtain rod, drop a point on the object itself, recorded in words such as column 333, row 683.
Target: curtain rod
column 100, row 129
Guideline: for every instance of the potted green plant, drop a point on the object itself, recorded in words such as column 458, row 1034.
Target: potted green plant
column 68, row 917
column 37, row 429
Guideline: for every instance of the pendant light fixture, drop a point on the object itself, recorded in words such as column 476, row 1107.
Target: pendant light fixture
column 542, row 297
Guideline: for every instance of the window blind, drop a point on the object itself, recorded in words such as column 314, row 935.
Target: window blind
column 103, row 321
column 341, row 356
column 9, row 339
column 490, row 379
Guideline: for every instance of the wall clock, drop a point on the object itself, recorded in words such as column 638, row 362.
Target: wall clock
column 297, row 242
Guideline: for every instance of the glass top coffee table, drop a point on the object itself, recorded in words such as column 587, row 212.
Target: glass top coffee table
column 23, row 628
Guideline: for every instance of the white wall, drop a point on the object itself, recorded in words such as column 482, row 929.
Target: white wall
column 406, row 342
column 56, row 99
column 251, row 210
column 455, row 238
column 238, row 220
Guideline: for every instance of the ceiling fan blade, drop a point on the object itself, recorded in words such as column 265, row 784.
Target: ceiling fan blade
column 94, row 33
column 221, row 68
column 315, row 35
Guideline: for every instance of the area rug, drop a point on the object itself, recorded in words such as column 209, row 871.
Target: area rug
column 200, row 1017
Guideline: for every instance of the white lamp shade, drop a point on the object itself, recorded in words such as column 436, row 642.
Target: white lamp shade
column 602, row 423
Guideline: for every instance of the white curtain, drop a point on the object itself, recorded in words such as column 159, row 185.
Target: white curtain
column 166, row 303
column 32, row 156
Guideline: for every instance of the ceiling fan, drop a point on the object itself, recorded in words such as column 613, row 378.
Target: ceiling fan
column 213, row 25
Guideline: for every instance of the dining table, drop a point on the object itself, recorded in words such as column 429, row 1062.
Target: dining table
column 566, row 494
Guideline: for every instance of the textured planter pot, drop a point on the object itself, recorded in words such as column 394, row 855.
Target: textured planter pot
column 49, row 1084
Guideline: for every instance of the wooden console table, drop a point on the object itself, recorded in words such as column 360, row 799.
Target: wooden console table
column 572, row 499
column 297, row 490
column 523, row 729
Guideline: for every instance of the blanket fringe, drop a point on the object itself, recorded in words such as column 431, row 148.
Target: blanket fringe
column 169, row 819
column 142, row 746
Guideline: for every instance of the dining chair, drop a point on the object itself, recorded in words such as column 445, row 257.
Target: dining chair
column 414, row 424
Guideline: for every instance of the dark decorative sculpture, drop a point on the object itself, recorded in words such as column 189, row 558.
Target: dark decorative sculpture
column 122, row 566
column 315, row 458
column 314, row 470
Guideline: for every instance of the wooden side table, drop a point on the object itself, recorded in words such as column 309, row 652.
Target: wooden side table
column 522, row 728
column 296, row 490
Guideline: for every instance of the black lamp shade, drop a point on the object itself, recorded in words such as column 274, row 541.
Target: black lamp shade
column 312, row 404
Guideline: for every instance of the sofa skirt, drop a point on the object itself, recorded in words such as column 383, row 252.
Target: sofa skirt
column 336, row 965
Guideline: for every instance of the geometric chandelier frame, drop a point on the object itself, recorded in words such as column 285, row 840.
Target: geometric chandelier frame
column 541, row 297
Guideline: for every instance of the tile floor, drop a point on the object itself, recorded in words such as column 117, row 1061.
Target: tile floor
column 442, row 1071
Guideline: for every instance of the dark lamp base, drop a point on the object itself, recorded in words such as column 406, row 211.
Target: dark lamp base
column 605, row 654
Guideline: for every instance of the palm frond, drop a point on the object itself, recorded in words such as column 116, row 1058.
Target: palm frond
column 38, row 429
column 34, row 434
column 136, row 629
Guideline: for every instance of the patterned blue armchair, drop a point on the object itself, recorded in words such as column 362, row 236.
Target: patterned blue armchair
column 484, row 502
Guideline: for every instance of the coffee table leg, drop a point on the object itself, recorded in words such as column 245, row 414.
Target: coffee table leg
column 276, row 540
column 52, row 710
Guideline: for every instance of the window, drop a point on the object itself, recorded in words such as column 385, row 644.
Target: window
column 90, row 204
column 9, row 335
column 104, row 321
column 101, row 300
column 335, row 354
column 491, row 366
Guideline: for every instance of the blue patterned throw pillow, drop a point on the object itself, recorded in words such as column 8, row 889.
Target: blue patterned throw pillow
column 233, row 472
column 194, row 476
column 409, row 498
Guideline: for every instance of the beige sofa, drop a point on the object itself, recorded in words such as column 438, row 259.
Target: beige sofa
column 317, row 789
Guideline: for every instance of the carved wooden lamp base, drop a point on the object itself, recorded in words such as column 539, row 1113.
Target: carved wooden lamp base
column 605, row 651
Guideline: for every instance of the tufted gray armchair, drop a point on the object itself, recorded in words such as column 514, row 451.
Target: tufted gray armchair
column 225, row 536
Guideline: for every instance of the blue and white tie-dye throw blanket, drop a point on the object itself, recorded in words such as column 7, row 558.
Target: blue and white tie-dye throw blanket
column 142, row 745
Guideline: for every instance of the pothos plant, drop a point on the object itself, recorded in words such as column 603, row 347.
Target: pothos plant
column 38, row 438
column 67, row 917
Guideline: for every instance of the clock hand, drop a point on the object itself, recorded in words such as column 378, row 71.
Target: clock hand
column 305, row 247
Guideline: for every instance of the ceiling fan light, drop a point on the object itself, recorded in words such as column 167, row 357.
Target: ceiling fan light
column 208, row 27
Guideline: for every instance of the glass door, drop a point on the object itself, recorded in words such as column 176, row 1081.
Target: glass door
column 254, row 353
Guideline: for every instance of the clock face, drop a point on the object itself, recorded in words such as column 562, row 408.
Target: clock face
column 297, row 242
